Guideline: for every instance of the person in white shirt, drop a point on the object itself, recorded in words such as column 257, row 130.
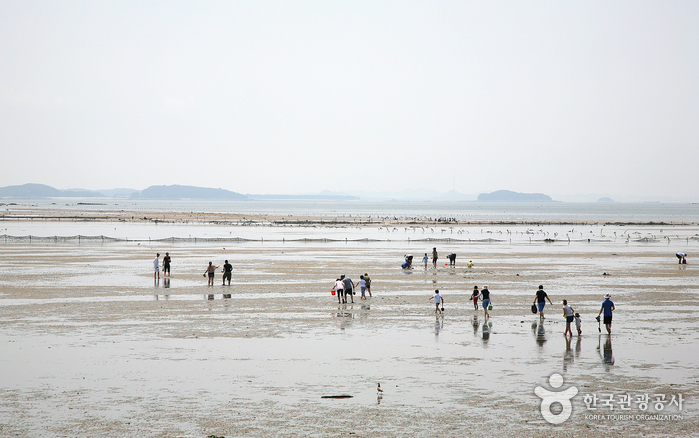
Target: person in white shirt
column 340, row 289
column 437, row 301
column 156, row 267
column 568, row 313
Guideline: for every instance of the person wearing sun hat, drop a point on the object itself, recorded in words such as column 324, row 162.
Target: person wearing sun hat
column 607, row 308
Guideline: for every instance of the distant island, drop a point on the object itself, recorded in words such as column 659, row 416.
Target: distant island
column 509, row 196
column 43, row 191
column 171, row 192
column 186, row 192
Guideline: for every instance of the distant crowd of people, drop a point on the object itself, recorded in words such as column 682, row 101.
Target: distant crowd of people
column 345, row 288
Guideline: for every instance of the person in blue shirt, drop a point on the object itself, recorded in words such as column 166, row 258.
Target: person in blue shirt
column 607, row 308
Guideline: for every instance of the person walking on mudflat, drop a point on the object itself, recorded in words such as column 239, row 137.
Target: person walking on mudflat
column 569, row 315
column 485, row 300
column 210, row 271
column 437, row 301
column 340, row 289
column 540, row 300
column 368, row 283
column 166, row 264
column 349, row 285
column 474, row 297
column 607, row 308
column 435, row 257
column 156, row 267
column 227, row 272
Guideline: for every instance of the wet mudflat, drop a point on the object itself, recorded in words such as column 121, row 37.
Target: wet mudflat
column 92, row 345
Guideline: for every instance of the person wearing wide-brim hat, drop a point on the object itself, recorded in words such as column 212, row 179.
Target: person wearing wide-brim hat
column 607, row 308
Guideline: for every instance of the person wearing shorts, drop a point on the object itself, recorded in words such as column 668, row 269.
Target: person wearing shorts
column 607, row 308
column 362, row 286
column 569, row 315
column 227, row 271
column 210, row 271
column 166, row 264
column 349, row 285
column 368, row 283
column 437, row 301
column 540, row 300
column 485, row 299
column 474, row 297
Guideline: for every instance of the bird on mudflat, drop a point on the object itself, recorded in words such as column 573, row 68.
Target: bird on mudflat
column 378, row 388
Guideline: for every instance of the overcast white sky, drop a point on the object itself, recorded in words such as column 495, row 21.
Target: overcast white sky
column 304, row 96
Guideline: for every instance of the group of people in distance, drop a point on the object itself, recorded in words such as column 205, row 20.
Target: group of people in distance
column 156, row 265
column 540, row 299
column 344, row 288
column 569, row 313
column 211, row 272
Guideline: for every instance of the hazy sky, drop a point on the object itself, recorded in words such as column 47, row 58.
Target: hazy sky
column 303, row 96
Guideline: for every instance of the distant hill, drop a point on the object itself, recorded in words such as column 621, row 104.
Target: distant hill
column 509, row 196
column 118, row 193
column 605, row 199
column 186, row 192
column 34, row 191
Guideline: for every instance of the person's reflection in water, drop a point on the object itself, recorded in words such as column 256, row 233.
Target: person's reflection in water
column 486, row 334
column 343, row 317
column 568, row 357
column 540, row 334
column 578, row 347
column 438, row 324
column 475, row 324
column 364, row 314
column 606, row 352
column 166, row 283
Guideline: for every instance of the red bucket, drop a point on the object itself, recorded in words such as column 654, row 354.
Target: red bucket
column 332, row 292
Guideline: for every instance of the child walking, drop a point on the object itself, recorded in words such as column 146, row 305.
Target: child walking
column 578, row 323
column 437, row 301
column 362, row 286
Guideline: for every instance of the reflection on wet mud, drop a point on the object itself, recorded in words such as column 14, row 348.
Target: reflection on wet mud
column 343, row 316
column 475, row 325
column 606, row 352
column 568, row 356
column 166, row 282
column 438, row 324
column 486, row 333
column 539, row 333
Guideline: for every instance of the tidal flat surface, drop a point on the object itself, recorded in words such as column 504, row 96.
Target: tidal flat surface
column 93, row 345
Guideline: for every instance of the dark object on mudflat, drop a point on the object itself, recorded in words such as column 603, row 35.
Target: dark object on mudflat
column 337, row 396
